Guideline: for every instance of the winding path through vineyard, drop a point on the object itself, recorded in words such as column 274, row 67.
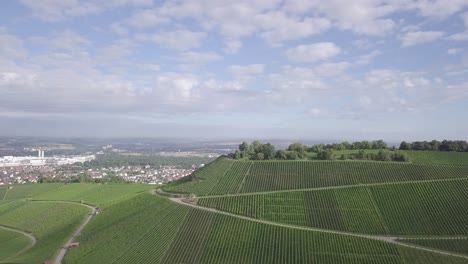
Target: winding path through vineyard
column 30, row 236
column 393, row 240
column 332, row 187
column 63, row 251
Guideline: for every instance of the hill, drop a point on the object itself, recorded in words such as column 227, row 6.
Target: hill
column 255, row 212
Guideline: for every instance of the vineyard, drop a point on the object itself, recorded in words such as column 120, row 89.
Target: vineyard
column 101, row 195
column 254, row 212
column 438, row 157
column 142, row 222
column 459, row 245
column 204, row 179
column 403, row 209
column 228, row 177
column 11, row 243
column 50, row 222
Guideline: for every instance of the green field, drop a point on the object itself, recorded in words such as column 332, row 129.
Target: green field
column 458, row 245
column 51, row 222
column 438, row 157
column 404, row 209
column 11, row 243
column 101, row 195
column 263, row 176
column 254, row 212
column 140, row 228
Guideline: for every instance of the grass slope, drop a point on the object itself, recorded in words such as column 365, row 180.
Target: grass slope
column 428, row 208
column 11, row 243
column 137, row 230
column 438, row 157
column 225, row 176
column 207, row 237
column 97, row 194
column 204, row 180
column 51, row 222
column 29, row 190
column 459, row 245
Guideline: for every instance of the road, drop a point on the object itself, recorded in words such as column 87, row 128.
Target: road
column 32, row 237
column 63, row 251
column 393, row 240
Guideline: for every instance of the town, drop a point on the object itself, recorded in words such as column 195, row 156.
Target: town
column 29, row 169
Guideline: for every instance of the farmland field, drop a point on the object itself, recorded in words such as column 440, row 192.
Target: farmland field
column 101, row 195
column 51, row 222
column 403, row 209
column 459, row 245
column 29, row 190
column 11, row 243
column 255, row 212
column 144, row 221
column 438, row 157
column 247, row 177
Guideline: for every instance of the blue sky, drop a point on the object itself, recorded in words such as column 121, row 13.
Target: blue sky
column 300, row 69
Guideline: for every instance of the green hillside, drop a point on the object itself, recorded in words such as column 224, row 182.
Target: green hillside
column 438, row 157
column 254, row 212
column 224, row 176
column 398, row 209
column 11, row 243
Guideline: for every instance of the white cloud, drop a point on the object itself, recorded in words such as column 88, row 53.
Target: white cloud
column 362, row 17
column 192, row 59
column 147, row 18
column 244, row 73
column 464, row 16
column 330, row 69
column 462, row 36
column 437, row 8
column 57, row 10
column 233, row 46
column 119, row 49
column 454, row 51
column 277, row 27
column 11, row 47
column 419, row 37
column 179, row 39
column 246, row 69
column 118, row 29
column 313, row 52
column 68, row 40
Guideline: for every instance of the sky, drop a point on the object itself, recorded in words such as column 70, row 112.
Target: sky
column 299, row 69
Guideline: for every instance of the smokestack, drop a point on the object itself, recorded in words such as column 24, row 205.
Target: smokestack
column 43, row 154
column 39, row 153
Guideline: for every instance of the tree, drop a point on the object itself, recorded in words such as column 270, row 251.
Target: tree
column 281, row 154
column 244, row 146
column 326, row 154
column 405, row 146
column 299, row 148
column 259, row 156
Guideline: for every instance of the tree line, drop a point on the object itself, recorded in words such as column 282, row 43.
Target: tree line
column 297, row 151
column 434, row 145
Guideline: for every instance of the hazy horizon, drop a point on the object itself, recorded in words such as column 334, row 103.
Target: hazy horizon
column 300, row 69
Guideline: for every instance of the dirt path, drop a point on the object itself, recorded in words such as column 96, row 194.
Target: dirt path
column 393, row 240
column 28, row 247
column 333, row 187
column 63, row 251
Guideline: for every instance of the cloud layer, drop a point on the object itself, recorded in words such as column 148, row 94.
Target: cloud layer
column 220, row 62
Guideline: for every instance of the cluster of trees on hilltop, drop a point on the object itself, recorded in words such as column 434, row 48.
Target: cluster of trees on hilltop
column 345, row 145
column 444, row 145
column 296, row 151
column 382, row 155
